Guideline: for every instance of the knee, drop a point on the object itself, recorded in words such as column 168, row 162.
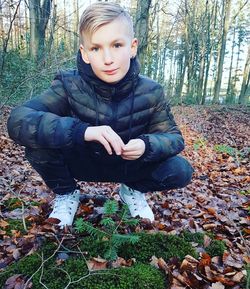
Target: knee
column 175, row 172
column 183, row 172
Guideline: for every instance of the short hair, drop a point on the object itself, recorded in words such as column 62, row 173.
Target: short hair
column 101, row 13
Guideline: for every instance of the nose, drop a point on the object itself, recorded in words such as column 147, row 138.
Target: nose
column 107, row 57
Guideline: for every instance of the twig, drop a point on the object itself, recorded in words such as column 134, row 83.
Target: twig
column 241, row 236
column 17, row 195
column 42, row 264
column 40, row 279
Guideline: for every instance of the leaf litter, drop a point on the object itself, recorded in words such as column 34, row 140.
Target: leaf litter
column 216, row 202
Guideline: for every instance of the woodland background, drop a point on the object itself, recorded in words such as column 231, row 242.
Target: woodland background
column 197, row 49
column 200, row 52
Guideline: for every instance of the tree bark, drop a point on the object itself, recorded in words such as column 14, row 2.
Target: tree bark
column 39, row 17
column 245, row 89
column 230, row 89
column 222, row 51
column 76, row 20
column 6, row 40
column 141, row 30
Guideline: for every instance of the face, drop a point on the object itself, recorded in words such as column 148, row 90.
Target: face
column 109, row 50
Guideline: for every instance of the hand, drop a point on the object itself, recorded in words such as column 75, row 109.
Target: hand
column 133, row 149
column 105, row 135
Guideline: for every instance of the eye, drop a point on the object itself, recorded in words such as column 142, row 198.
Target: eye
column 117, row 45
column 95, row 49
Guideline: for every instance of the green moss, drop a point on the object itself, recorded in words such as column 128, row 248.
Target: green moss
column 193, row 237
column 141, row 275
column 15, row 225
column 138, row 276
column 216, row 248
column 165, row 246
column 160, row 245
column 12, row 203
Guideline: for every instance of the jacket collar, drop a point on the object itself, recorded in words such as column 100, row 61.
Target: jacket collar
column 109, row 91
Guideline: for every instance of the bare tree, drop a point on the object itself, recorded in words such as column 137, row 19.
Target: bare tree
column 225, row 26
column 39, row 17
column 141, row 29
column 6, row 40
column 244, row 92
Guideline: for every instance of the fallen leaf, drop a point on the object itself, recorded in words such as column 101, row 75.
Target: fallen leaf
column 96, row 264
column 217, row 285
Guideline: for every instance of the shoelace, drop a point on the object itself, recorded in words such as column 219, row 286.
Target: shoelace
column 138, row 199
column 62, row 204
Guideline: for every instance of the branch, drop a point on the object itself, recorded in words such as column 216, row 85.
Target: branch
column 41, row 266
column 241, row 7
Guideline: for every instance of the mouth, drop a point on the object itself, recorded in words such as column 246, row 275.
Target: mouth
column 111, row 71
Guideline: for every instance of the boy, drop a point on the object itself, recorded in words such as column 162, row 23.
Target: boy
column 103, row 122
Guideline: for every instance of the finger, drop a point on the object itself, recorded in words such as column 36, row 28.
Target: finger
column 130, row 158
column 132, row 145
column 115, row 142
column 106, row 144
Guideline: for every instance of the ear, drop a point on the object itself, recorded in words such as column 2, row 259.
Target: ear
column 84, row 54
column 134, row 46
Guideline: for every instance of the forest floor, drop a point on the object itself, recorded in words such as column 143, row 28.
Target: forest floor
column 216, row 201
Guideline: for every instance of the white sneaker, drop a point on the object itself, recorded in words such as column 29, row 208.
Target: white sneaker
column 136, row 202
column 65, row 207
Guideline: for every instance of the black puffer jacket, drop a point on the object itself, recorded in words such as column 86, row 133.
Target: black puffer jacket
column 134, row 107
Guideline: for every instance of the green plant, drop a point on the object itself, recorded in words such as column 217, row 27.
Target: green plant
column 113, row 219
column 216, row 248
column 222, row 148
column 200, row 143
column 193, row 237
column 248, row 276
column 246, row 193
column 159, row 245
column 56, row 276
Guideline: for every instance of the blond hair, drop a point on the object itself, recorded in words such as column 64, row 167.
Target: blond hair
column 101, row 13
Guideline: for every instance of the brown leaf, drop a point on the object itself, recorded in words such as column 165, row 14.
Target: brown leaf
column 119, row 262
column 207, row 241
column 2, row 232
column 16, row 282
column 180, row 277
column 187, row 266
column 162, row 264
column 209, row 226
column 96, row 264
column 238, row 277
column 217, row 285
column 86, row 209
column 53, row 221
column 3, row 223
column 154, row 262
column 211, row 211
column 16, row 254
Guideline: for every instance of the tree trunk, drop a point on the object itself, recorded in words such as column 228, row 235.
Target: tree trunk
column 6, row 40
column 245, row 89
column 39, row 17
column 222, row 51
column 76, row 20
column 230, row 90
column 141, row 29
column 52, row 27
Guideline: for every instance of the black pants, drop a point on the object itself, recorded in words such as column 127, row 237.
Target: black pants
column 61, row 168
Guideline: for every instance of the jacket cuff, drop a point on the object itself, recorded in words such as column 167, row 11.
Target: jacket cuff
column 78, row 133
column 147, row 146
